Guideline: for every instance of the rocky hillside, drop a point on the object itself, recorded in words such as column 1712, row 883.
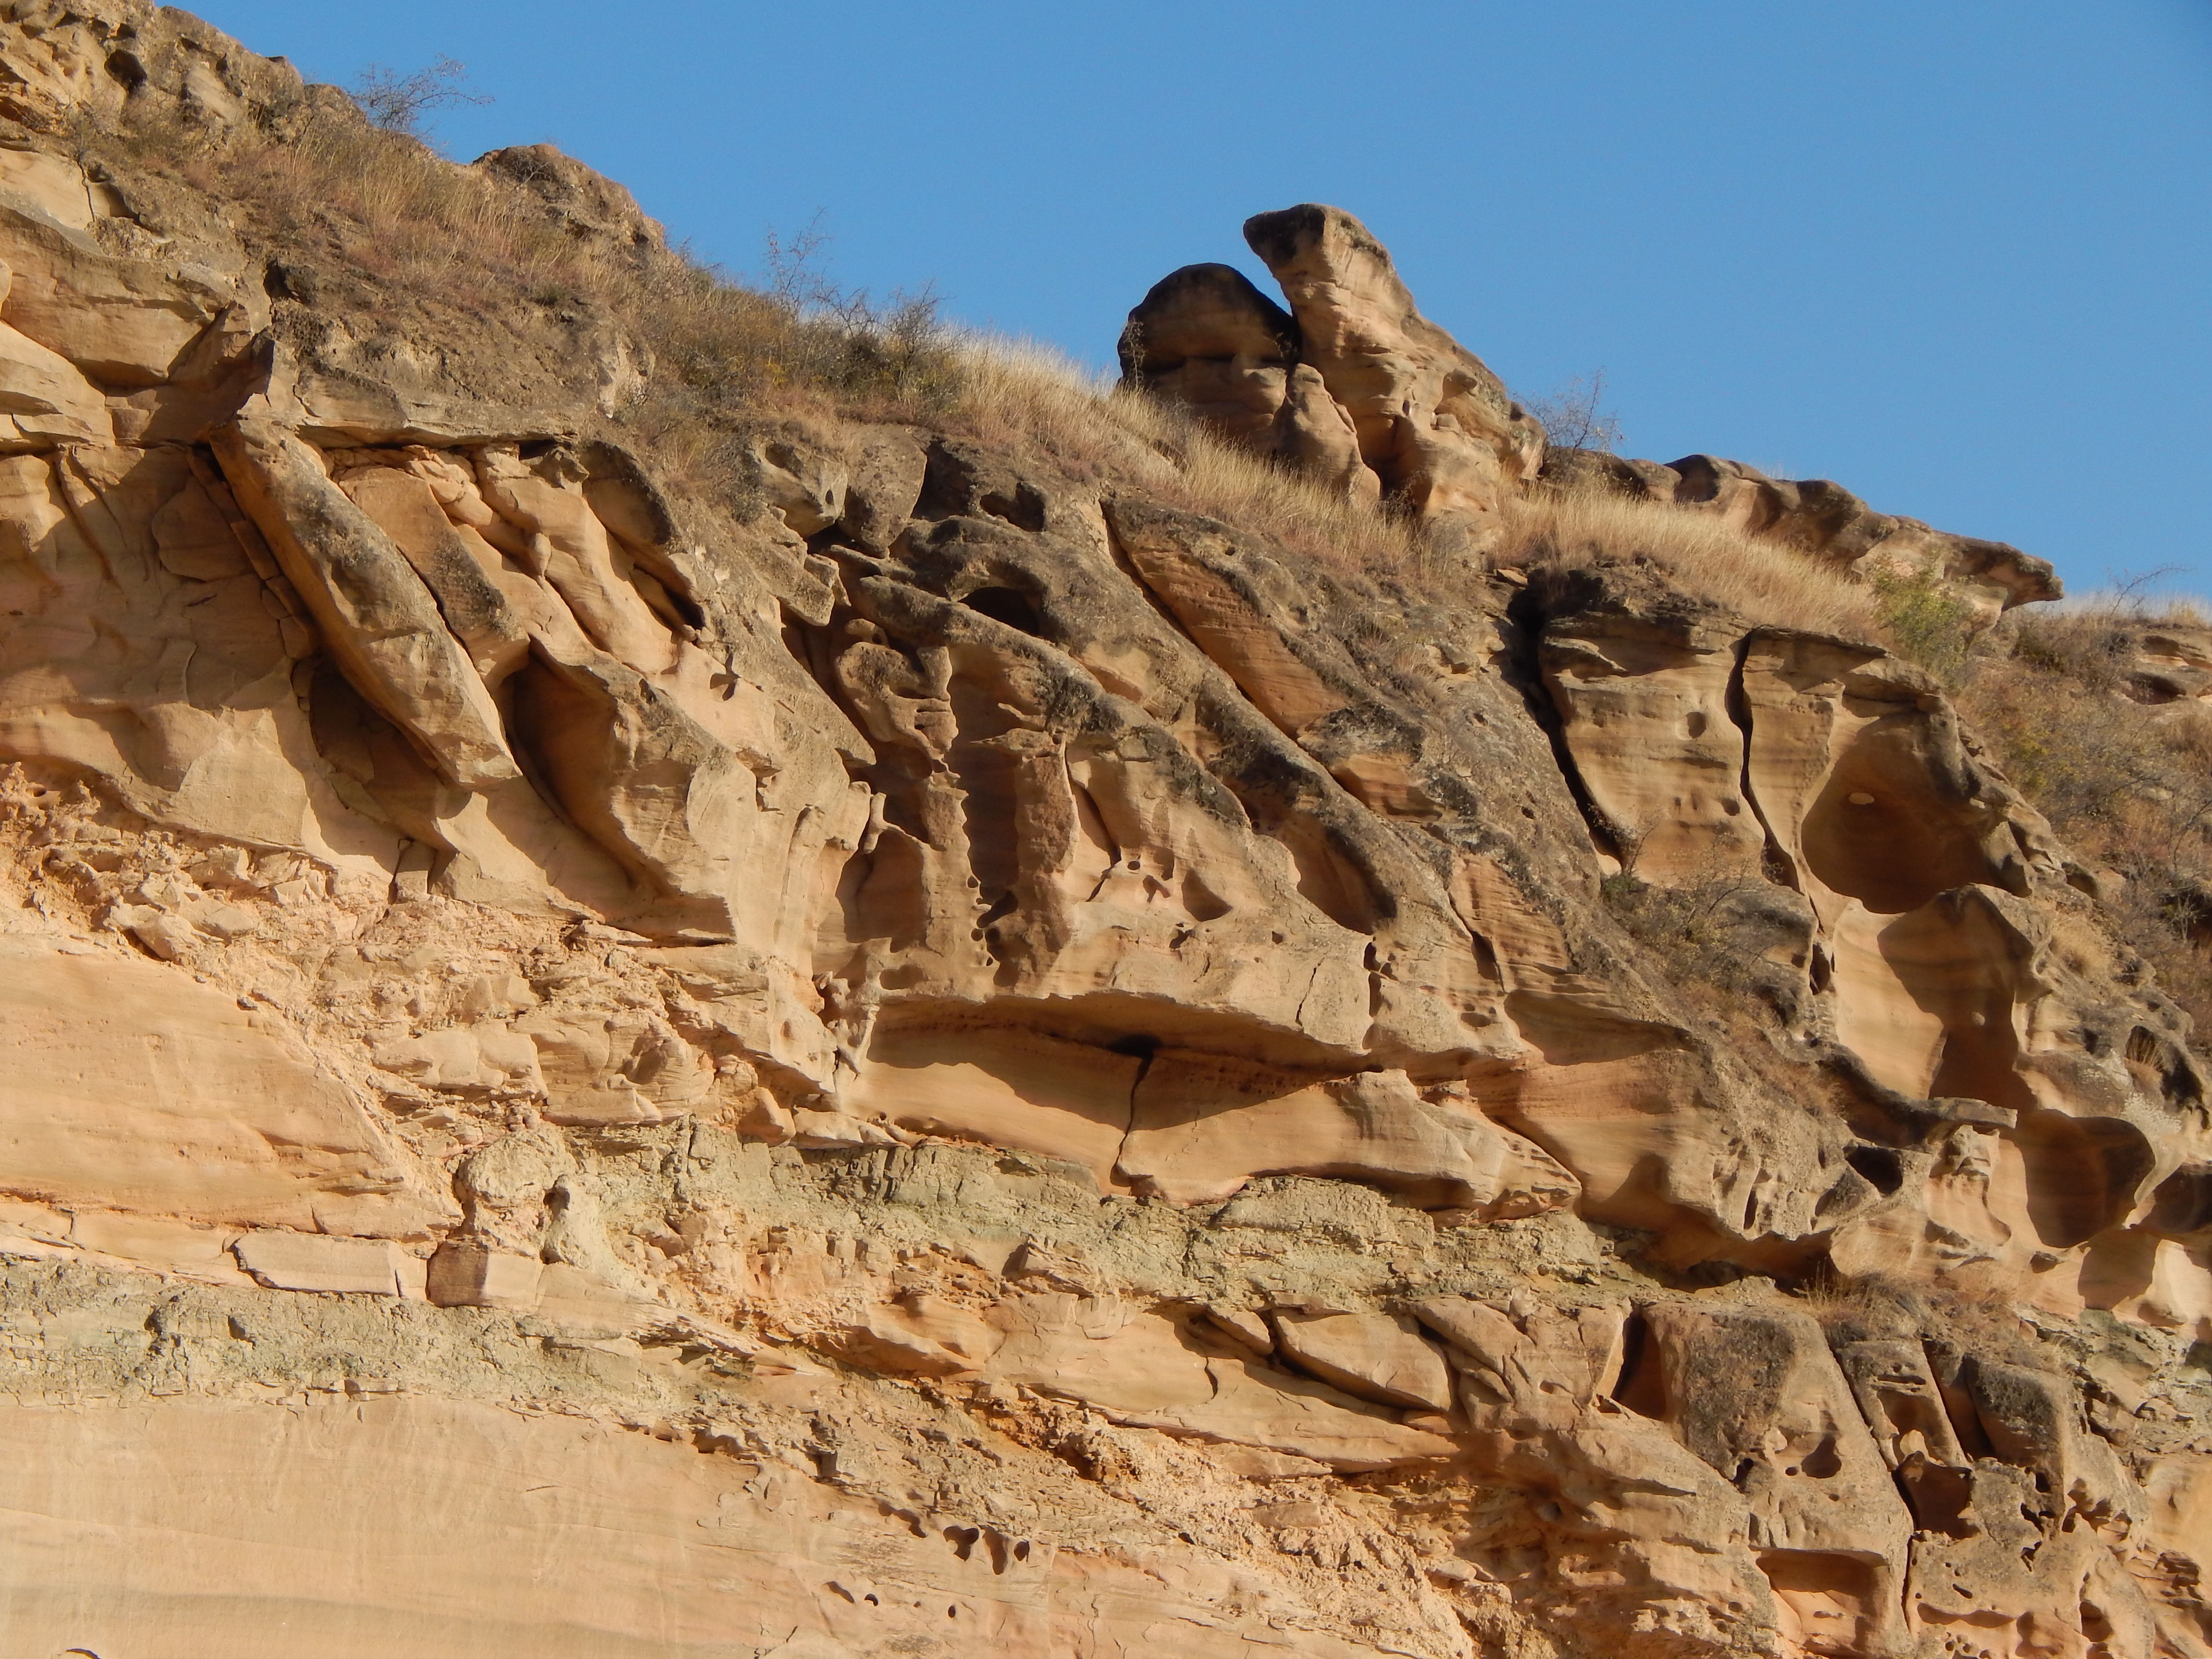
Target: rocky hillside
column 681, row 975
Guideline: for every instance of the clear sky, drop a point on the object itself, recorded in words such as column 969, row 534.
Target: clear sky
column 1952, row 254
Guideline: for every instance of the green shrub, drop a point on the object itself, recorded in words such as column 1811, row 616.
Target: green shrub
column 1923, row 618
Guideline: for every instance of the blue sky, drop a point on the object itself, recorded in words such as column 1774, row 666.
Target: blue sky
column 1953, row 253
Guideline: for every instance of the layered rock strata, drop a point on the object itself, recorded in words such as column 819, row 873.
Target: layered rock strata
column 979, row 1061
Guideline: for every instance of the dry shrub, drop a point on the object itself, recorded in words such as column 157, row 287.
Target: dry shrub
column 1693, row 928
column 1924, row 618
column 1762, row 581
column 2094, row 638
column 2127, row 786
column 1883, row 1307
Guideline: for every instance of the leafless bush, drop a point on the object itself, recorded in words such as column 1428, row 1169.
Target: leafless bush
column 399, row 103
column 1881, row 1307
column 1694, row 926
column 1575, row 416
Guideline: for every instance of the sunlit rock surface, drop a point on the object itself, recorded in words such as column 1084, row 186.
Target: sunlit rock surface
column 979, row 1063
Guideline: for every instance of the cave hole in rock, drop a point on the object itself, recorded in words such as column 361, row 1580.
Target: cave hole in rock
column 1887, row 831
column 1825, row 1599
column 1009, row 605
column 1881, row 1165
column 2095, row 1626
column 1022, row 506
column 990, row 791
column 2162, row 1066
column 1203, row 903
column 1642, row 1385
column 1823, row 1463
column 2082, row 1173
column 2182, row 1202
column 1941, row 1498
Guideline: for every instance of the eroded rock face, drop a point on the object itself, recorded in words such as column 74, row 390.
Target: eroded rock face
column 1929, row 931
column 979, row 1062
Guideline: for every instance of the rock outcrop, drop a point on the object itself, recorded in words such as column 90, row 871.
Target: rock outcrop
column 940, row 1053
column 1353, row 387
column 1821, row 519
column 1352, row 384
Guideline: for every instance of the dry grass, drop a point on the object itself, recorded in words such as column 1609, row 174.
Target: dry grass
column 2127, row 786
column 1021, row 396
column 1883, row 1307
column 418, row 221
column 728, row 357
column 1564, row 531
column 320, row 183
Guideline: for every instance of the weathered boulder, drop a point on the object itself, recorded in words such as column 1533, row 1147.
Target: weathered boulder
column 1436, row 426
column 1374, row 1355
column 1204, row 338
column 1352, row 384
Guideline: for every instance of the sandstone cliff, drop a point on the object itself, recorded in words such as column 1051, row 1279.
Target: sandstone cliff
column 683, row 979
